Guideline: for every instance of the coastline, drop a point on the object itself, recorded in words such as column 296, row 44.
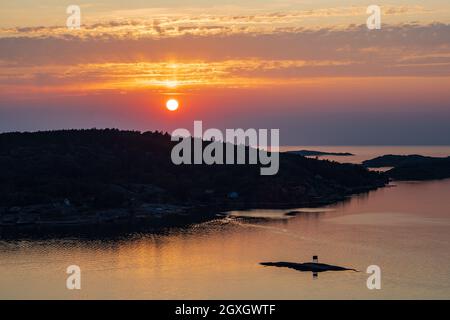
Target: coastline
column 157, row 218
column 128, row 179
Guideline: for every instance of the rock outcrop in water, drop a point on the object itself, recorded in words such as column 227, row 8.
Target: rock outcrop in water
column 76, row 177
column 308, row 266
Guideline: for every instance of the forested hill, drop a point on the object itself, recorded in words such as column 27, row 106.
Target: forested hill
column 109, row 168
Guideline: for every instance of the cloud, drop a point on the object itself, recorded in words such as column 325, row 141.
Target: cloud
column 157, row 24
column 299, row 44
column 98, row 63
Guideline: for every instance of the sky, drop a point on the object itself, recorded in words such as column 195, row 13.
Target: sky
column 309, row 68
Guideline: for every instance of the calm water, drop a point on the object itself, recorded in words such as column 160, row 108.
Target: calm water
column 404, row 229
column 361, row 153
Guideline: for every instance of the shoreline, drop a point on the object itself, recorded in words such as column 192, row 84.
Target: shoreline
column 111, row 226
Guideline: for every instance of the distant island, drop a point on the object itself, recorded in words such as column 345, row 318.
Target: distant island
column 313, row 153
column 101, row 177
column 412, row 167
column 391, row 160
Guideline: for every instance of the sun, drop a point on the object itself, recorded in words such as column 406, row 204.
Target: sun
column 172, row 105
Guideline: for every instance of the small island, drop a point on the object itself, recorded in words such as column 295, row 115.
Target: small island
column 307, row 266
column 412, row 167
column 391, row 160
column 313, row 153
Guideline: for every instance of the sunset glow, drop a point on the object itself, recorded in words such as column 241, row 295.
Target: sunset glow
column 287, row 62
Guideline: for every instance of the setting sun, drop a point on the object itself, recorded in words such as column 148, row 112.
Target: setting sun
column 172, row 105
